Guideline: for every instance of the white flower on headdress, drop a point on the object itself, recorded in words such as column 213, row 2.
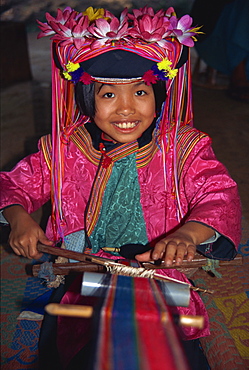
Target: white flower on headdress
column 106, row 32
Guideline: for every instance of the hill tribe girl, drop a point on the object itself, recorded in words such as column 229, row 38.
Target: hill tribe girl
column 124, row 164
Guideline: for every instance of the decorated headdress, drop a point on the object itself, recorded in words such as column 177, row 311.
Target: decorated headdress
column 97, row 46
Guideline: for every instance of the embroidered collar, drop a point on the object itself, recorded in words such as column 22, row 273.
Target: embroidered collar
column 89, row 145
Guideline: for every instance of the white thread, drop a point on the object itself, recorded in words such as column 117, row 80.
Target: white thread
column 129, row 270
column 115, row 268
column 110, row 80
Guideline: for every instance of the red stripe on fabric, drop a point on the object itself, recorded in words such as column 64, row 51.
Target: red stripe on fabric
column 104, row 361
column 155, row 352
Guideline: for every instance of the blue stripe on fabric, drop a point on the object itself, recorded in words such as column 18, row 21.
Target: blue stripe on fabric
column 124, row 339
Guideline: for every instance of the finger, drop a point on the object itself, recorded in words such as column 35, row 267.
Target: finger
column 191, row 252
column 33, row 252
column 180, row 253
column 159, row 249
column 23, row 251
column 170, row 253
column 17, row 247
column 143, row 257
column 16, row 250
column 44, row 240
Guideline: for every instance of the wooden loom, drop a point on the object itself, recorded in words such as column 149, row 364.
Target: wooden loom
column 127, row 337
column 92, row 263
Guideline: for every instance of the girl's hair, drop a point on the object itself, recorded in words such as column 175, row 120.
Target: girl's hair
column 84, row 96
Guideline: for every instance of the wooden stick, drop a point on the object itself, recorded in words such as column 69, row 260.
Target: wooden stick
column 58, row 309
column 192, row 321
column 82, row 257
column 66, row 268
column 72, row 310
column 197, row 262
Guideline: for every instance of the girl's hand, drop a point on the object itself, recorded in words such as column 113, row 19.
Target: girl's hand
column 174, row 247
column 182, row 243
column 25, row 233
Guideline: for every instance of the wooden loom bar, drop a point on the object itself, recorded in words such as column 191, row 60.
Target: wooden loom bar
column 117, row 268
column 71, row 310
column 90, row 260
column 66, row 268
column 198, row 261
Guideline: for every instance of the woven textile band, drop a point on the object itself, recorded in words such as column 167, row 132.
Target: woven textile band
column 136, row 330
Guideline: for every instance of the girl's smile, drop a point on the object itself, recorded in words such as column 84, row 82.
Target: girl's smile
column 124, row 111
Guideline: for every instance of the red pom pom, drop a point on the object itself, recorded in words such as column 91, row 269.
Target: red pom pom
column 149, row 77
column 86, row 78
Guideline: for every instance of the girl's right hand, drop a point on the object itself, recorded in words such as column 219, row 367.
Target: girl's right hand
column 25, row 233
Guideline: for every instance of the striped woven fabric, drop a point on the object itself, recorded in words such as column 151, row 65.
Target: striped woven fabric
column 136, row 331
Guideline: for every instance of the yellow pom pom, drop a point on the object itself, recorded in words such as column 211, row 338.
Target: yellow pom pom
column 67, row 76
column 164, row 65
column 172, row 73
column 71, row 67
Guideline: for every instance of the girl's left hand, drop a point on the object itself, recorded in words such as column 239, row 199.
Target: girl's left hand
column 178, row 245
column 174, row 247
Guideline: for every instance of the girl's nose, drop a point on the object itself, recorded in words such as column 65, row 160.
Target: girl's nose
column 126, row 106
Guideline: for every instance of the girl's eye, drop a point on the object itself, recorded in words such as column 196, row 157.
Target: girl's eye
column 140, row 93
column 108, row 95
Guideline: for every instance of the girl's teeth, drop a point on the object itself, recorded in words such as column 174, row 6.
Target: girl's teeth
column 125, row 125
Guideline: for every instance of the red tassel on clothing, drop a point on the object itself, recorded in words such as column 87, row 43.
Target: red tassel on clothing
column 106, row 161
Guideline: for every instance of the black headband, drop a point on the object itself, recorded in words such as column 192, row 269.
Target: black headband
column 122, row 64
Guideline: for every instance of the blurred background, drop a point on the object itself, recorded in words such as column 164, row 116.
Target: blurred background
column 28, row 10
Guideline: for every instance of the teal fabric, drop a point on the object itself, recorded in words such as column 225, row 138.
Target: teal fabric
column 75, row 242
column 121, row 218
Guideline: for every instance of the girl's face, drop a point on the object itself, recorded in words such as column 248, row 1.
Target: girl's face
column 124, row 112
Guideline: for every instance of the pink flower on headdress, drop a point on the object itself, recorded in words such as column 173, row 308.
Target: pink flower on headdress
column 152, row 29
column 182, row 31
column 106, row 31
column 72, row 32
column 143, row 11
column 99, row 27
column 62, row 17
column 169, row 12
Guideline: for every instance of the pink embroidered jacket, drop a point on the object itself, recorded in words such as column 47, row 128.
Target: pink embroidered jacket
column 206, row 191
